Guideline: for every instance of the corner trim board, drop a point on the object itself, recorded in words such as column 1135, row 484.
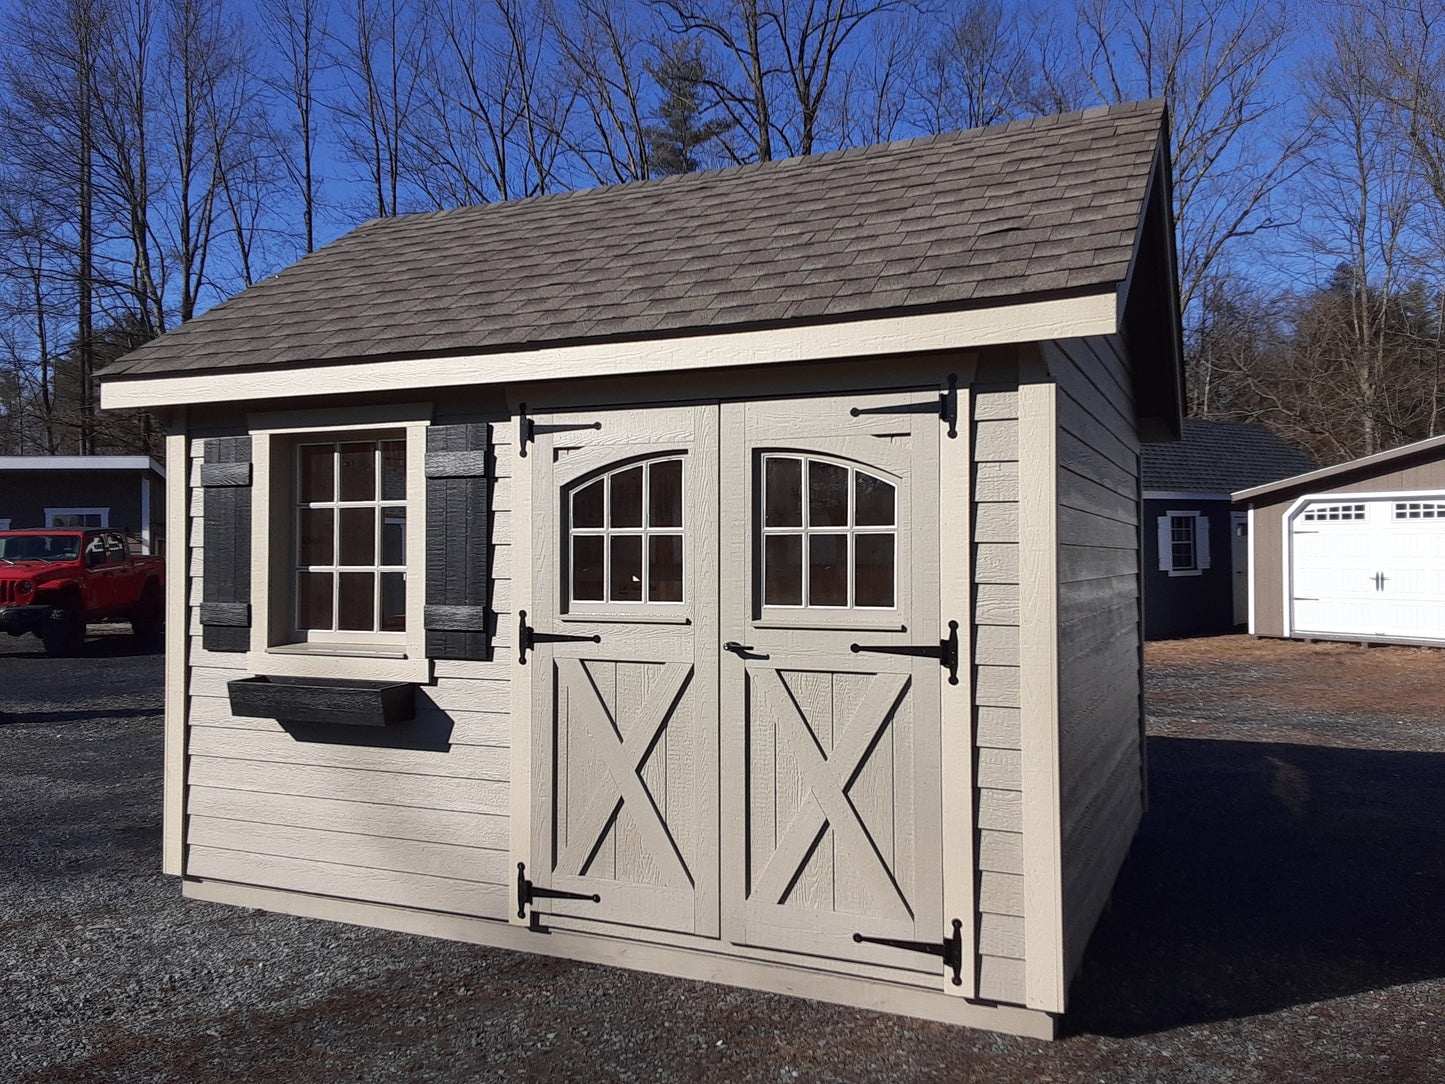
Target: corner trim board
column 1044, row 978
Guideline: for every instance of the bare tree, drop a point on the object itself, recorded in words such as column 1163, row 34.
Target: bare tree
column 604, row 47
column 296, row 31
column 377, row 54
column 1218, row 64
column 786, row 59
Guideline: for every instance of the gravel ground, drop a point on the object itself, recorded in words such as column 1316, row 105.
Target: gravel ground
column 1277, row 920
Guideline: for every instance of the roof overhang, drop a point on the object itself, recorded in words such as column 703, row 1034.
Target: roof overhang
column 1329, row 477
column 1149, row 312
column 1075, row 316
column 81, row 462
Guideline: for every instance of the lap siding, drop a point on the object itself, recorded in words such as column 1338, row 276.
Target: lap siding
column 415, row 816
column 997, row 776
column 1101, row 794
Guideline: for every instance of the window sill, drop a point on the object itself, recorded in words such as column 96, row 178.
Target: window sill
column 358, row 650
column 1186, row 572
column 339, row 661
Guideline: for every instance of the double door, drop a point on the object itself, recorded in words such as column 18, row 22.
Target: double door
column 735, row 675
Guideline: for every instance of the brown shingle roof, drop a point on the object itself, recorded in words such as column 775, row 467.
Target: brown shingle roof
column 1019, row 209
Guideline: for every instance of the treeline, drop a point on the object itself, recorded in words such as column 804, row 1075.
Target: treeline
column 156, row 156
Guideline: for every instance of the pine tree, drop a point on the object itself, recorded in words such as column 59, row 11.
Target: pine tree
column 682, row 130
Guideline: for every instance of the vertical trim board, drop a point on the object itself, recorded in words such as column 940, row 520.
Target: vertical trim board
column 1039, row 703
column 176, row 644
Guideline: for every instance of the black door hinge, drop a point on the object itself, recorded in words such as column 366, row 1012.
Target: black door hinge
column 528, row 638
column 527, row 892
column 946, row 652
column 951, row 948
column 947, row 407
column 527, row 429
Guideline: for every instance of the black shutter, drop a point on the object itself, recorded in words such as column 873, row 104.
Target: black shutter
column 226, row 557
column 458, row 511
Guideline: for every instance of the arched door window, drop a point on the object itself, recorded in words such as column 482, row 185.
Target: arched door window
column 829, row 535
column 625, row 535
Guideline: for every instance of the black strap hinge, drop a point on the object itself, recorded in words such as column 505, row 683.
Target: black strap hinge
column 947, row 407
column 528, row 638
column 527, row 892
column 951, row 948
column 946, row 652
column 527, row 429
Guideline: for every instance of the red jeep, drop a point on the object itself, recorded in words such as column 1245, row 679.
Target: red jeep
column 55, row 582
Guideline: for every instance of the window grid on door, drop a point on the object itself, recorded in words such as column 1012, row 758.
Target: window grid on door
column 1419, row 510
column 829, row 535
column 625, row 535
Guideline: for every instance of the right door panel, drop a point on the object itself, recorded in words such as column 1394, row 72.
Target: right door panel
column 830, row 770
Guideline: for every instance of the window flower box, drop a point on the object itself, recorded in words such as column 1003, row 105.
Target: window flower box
column 324, row 700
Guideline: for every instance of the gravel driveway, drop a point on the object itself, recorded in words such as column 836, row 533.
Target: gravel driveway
column 1279, row 918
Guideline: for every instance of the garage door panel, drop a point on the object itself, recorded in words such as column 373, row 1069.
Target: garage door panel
column 1367, row 569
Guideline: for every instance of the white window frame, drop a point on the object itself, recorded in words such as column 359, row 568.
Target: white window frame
column 276, row 647
column 1200, row 540
column 103, row 513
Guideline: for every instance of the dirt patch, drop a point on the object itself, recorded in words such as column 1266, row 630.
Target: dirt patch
column 1336, row 694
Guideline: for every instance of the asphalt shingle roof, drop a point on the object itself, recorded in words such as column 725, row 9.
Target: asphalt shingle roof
column 1037, row 206
column 1221, row 457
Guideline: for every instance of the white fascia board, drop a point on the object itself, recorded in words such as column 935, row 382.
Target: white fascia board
column 1060, row 318
column 81, row 462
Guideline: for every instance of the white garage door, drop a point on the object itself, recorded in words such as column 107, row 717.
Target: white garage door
column 1369, row 567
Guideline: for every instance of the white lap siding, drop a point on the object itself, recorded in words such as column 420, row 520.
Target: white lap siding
column 1100, row 665
column 996, row 694
column 416, row 816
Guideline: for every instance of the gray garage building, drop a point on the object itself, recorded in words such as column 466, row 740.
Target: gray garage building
column 123, row 492
column 732, row 576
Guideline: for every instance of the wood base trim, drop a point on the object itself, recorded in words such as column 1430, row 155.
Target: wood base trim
column 637, row 956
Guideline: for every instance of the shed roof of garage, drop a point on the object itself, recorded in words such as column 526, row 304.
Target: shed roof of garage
column 1326, row 478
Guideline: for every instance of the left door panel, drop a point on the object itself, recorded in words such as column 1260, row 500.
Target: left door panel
column 624, row 724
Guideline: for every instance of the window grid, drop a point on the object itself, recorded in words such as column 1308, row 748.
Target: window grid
column 659, row 565
column 1420, row 510
column 387, row 525
column 1335, row 512
column 806, row 531
column 1183, row 550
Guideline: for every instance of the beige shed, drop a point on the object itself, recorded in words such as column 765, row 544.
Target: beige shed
column 1355, row 551
column 732, row 576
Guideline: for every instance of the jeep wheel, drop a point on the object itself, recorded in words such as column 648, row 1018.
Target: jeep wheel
column 63, row 632
column 148, row 618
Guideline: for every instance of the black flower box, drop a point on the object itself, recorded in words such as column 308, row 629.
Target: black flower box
column 324, row 700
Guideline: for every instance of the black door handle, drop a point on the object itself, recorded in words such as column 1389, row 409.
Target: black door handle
column 736, row 648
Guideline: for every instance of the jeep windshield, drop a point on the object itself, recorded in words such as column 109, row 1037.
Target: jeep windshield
column 39, row 547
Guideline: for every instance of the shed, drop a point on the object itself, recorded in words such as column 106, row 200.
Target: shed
column 1352, row 552
column 731, row 576
column 1196, row 548
column 121, row 492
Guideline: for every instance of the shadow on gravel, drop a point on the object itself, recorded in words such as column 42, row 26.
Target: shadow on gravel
column 79, row 716
column 111, row 645
column 1266, row 876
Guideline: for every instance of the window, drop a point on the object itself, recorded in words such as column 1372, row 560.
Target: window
column 1183, row 543
column 350, row 516
column 1322, row 513
column 829, row 535
column 625, row 535
column 1420, row 510
column 71, row 518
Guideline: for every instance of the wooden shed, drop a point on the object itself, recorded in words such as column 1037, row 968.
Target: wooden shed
column 1352, row 552
column 1196, row 546
column 731, row 576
